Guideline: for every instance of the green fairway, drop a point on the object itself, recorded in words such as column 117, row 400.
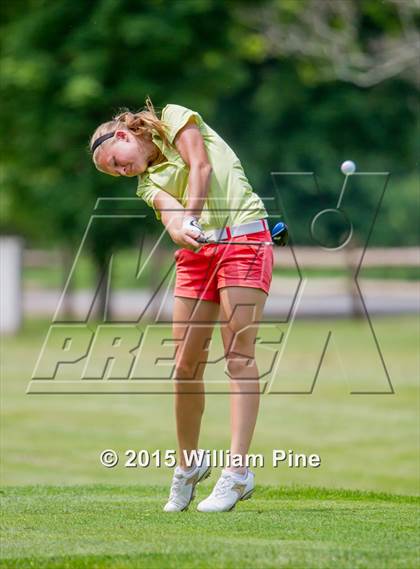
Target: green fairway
column 366, row 442
column 63, row 509
column 116, row 527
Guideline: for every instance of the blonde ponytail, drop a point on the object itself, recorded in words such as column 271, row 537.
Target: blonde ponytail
column 142, row 124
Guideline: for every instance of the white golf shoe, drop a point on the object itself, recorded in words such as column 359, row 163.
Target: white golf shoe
column 183, row 486
column 229, row 489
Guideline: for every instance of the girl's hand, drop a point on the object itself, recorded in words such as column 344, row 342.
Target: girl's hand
column 192, row 227
column 182, row 227
column 184, row 238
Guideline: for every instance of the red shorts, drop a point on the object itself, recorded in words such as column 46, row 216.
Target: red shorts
column 214, row 266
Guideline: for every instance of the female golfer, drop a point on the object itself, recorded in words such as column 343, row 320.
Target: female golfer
column 197, row 187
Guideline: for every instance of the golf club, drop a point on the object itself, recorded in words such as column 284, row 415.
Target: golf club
column 279, row 234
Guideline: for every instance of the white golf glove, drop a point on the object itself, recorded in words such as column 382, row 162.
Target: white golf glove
column 191, row 224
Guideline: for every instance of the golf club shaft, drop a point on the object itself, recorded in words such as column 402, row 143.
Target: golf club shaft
column 238, row 243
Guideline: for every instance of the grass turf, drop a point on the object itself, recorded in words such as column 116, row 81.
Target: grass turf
column 82, row 515
column 123, row 527
column 366, row 442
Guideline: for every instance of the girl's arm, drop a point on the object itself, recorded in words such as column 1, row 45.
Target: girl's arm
column 172, row 214
column 190, row 145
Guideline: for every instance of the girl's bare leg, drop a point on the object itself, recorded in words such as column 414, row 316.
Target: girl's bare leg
column 193, row 323
column 241, row 307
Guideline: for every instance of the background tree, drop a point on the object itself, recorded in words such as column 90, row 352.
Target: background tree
column 296, row 85
column 66, row 67
column 363, row 43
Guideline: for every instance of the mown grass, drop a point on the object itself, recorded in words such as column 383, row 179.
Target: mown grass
column 62, row 509
column 123, row 527
column 367, row 442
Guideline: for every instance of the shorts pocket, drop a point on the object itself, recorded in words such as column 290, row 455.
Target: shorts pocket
column 263, row 235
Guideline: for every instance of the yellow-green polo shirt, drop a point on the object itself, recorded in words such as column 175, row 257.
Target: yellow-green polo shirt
column 230, row 199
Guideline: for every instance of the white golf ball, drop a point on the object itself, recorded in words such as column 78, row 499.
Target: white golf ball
column 348, row 167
